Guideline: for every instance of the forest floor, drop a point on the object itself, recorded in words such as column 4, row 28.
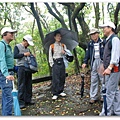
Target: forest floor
column 71, row 105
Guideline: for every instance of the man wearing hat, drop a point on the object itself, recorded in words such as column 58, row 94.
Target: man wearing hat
column 111, row 63
column 94, row 53
column 6, row 70
column 21, row 51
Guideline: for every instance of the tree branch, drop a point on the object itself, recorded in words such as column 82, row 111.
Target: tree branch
column 116, row 14
column 53, row 5
column 77, row 10
column 57, row 17
column 24, row 6
column 75, row 13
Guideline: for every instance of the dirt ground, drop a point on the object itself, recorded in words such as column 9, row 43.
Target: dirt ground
column 71, row 105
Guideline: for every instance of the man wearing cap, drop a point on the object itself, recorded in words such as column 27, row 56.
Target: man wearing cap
column 6, row 70
column 111, row 63
column 21, row 51
column 94, row 53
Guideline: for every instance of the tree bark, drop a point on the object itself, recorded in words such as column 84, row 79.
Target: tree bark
column 97, row 14
column 116, row 17
column 37, row 20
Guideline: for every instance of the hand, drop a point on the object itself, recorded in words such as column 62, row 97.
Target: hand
column 27, row 54
column 63, row 52
column 10, row 77
column 83, row 65
column 51, row 64
column 107, row 71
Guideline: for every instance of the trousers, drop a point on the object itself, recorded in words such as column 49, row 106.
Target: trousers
column 58, row 76
column 24, row 85
column 112, row 94
column 7, row 99
column 96, row 78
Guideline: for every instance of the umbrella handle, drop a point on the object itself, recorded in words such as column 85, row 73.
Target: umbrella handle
column 13, row 84
column 103, row 79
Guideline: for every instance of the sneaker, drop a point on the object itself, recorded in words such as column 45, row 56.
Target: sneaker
column 62, row 94
column 30, row 103
column 102, row 114
column 22, row 106
column 54, row 97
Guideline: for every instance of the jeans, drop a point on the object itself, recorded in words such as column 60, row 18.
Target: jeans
column 7, row 99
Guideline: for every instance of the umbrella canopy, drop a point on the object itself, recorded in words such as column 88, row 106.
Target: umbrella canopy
column 17, row 111
column 69, row 38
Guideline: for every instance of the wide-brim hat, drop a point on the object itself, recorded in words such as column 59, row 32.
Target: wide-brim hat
column 93, row 30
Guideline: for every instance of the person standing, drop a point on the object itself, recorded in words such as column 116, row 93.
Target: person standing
column 111, row 58
column 94, row 53
column 58, row 67
column 21, row 51
column 6, row 70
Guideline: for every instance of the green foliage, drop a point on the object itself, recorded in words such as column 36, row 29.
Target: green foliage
column 80, row 54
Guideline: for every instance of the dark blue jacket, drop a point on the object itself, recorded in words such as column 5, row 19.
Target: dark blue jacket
column 90, row 51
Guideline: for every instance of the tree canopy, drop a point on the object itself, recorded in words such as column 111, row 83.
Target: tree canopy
column 40, row 18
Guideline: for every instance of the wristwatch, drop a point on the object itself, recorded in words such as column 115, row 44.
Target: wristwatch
column 110, row 68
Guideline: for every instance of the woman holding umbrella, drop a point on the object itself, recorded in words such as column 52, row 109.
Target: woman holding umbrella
column 56, row 52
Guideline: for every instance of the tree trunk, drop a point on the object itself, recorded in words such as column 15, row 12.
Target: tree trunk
column 37, row 20
column 97, row 14
column 116, row 17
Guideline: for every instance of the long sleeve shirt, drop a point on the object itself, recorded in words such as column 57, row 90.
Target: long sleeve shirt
column 6, row 58
column 19, row 51
column 115, row 52
column 56, row 53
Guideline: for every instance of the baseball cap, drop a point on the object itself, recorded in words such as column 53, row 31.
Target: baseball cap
column 110, row 24
column 93, row 30
column 7, row 29
column 29, row 39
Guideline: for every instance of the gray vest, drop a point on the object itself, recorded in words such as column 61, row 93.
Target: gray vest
column 22, row 50
column 107, row 52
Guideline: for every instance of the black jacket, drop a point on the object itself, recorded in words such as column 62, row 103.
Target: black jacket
column 90, row 51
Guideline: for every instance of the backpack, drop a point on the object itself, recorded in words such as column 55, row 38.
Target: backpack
column 67, row 56
column 31, row 64
column 4, row 45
